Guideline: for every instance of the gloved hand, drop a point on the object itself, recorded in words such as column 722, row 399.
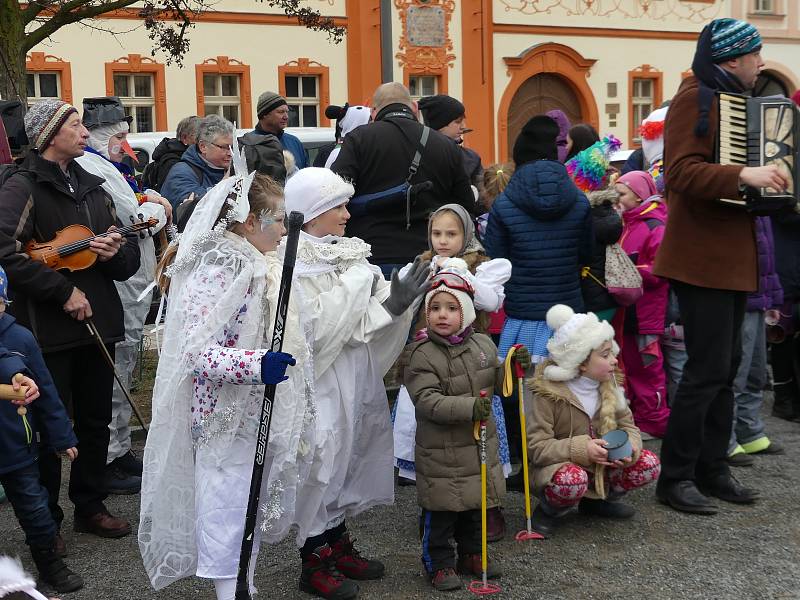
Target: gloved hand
column 403, row 292
column 481, row 409
column 523, row 357
column 273, row 367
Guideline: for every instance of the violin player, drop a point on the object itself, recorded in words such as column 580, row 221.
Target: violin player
column 49, row 193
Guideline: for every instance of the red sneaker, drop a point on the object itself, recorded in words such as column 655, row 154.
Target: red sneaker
column 350, row 562
column 446, row 580
column 320, row 577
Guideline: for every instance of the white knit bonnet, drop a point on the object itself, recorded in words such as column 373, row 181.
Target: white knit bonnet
column 575, row 336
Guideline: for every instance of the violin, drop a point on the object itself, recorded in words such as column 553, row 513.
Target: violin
column 70, row 248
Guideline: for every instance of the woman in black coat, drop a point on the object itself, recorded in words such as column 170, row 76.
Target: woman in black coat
column 607, row 226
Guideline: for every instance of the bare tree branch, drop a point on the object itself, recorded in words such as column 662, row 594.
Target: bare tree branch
column 70, row 12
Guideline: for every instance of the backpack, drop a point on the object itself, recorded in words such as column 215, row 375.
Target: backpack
column 623, row 280
column 155, row 172
column 264, row 154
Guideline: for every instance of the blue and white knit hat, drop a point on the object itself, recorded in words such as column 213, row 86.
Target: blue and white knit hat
column 3, row 286
column 731, row 38
column 44, row 119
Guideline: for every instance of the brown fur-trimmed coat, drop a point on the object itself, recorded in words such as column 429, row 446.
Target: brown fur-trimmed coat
column 559, row 428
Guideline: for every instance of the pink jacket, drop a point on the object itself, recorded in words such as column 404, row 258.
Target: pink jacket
column 643, row 230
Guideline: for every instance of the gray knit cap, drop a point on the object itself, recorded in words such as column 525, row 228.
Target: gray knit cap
column 267, row 102
column 44, row 119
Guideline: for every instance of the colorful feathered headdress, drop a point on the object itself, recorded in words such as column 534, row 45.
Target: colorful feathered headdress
column 589, row 168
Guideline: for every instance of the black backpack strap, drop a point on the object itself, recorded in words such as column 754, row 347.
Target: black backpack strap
column 421, row 143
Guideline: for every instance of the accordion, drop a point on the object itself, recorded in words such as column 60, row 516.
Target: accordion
column 755, row 132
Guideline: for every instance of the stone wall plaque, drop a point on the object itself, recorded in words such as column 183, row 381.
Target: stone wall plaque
column 426, row 26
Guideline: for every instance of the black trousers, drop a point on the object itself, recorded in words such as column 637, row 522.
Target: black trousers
column 84, row 381
column 699, row 427
column 436, row 530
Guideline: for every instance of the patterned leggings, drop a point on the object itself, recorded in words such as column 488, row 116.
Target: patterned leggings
column 570, row 482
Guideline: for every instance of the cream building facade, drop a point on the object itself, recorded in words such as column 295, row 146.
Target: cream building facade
column 604, row 62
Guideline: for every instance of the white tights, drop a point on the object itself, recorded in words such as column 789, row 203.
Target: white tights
column 226, row 588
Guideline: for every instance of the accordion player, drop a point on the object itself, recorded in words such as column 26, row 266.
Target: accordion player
column 755, row 132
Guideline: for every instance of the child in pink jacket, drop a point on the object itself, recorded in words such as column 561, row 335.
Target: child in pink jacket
column 644, row 215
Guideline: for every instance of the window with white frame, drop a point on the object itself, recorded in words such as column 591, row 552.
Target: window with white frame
column 41, row 85
column 764, row 6
column 221, row 95
column 136, row 92
column 642, row 102
column 302, row 96
column 422, row 85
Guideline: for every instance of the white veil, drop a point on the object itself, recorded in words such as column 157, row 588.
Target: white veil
column 213, row 273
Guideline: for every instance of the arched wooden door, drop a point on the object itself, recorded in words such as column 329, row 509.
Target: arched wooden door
column 540, row 93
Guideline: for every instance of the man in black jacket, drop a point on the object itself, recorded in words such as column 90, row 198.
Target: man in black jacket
column 376, row 158
column 169, row 151
column 49, row 193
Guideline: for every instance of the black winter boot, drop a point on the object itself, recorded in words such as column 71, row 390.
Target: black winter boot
column 786, row 405
column 53, row 571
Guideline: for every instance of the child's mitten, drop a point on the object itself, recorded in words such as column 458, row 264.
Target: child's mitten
column 481, row 409
column 273, row 367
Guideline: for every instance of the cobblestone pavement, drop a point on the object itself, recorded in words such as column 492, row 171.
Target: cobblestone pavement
column 742, row 553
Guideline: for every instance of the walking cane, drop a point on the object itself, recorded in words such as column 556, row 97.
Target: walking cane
column 519, row 372
column 483, row 587
column 294, row 224
column 96, row 335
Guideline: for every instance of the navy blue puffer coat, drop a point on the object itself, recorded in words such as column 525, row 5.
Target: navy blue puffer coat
column 542, row 224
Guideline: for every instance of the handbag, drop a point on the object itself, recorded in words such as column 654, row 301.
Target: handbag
column 365, row 204
column 623, row 280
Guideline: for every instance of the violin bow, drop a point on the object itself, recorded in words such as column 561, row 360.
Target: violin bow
column 96, row 335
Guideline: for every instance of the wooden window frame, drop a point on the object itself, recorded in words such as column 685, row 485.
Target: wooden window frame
column 306, row 66
column 440, row 74
column 137, row 64
column 436, row 77
column 224, row 65
column 657, row 77
column 37, row 62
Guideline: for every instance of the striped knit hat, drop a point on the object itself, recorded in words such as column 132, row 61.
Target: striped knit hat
column 731, row 38
column 44, row 119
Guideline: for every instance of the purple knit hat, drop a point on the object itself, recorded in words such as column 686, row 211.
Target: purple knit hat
column 563, row 129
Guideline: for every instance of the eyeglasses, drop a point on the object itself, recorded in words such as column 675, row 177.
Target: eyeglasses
column 226, row 147
column 453, row 281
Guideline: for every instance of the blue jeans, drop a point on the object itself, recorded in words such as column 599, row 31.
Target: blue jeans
column 29, row 500
column 748, row 387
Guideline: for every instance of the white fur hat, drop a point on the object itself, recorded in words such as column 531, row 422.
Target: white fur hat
column 314, row 190
column 458, row 267
column 575, row 336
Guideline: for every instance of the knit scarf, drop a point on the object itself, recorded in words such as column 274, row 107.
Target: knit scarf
column 455, row 339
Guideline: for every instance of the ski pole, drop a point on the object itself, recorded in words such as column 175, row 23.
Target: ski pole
column 294, row 224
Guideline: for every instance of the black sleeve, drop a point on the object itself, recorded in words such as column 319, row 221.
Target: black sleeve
column 126, row 261
column 30, row 277
column 607, row 225
column 460, row 190
column 347, row 163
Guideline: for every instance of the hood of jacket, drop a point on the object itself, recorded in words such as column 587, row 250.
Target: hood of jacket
column 543, row 189
column 649, row 209
column 169, row 146
column 6, row 321
column 192, row 156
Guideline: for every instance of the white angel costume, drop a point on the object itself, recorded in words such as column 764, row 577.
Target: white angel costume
column 354, row 342
column 135, row 308
column 488, row 283
column 207, row 404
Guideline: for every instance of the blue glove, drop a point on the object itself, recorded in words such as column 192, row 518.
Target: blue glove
column 273, row 367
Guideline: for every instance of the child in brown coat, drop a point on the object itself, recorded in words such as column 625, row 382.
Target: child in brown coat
column 577, row 400
column 445, row 375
